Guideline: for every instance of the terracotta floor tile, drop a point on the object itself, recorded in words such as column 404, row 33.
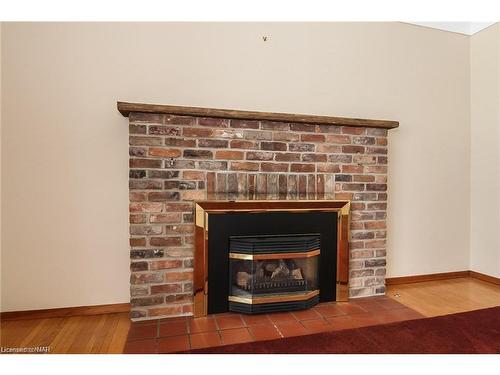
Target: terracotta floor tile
column 291, row 328
column 264, row 332
column 391, row 304
column 205, row 340
column 316, row 325
column 365, row 319
column 282, row 317
column 372, row 306
column 148, row 346
column 138, row 332
column 370, row 299
column 204, row 324
column 173, row 328
column 341, row 322
column 173, row 344
column 306, row 314
column 387, row 317
column 235, row 336
column 229, row 321
column 256, row 319
column 350, row 308
column 228, row 313
column 174, row 319
column 397, row 315
column 328, row 310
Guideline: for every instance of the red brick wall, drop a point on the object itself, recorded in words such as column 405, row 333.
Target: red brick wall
column 175, row 160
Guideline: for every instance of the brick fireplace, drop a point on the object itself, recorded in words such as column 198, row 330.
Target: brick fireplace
column 180, row 155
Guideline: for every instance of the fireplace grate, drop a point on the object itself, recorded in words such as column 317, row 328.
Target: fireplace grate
column 269, row 285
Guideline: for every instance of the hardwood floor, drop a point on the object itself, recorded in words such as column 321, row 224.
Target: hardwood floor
column 433, row 298
column 107, row 333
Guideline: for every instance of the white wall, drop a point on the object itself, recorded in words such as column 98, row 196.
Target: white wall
column 485, row 151
column 65, row 149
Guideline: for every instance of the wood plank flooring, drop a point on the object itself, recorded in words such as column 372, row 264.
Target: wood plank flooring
column 441, row 297
column 107, row 333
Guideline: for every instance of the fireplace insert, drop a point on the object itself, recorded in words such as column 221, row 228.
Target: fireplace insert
column 263, row 261
column 273, row 272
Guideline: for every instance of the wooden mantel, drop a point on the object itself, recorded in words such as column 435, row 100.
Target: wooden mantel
column 125, row 109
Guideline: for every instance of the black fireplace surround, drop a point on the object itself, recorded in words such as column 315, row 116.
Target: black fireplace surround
column 235, row 229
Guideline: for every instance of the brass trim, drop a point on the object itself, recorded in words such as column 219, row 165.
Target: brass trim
column 342, row 287
column 241, row 256
column 274, row 298
column 200, row 277
column 203, row 210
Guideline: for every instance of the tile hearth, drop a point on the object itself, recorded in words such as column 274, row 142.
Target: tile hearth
column 173, row 335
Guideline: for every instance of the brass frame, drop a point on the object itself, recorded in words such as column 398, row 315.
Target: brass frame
column 272, row 299
column 241, row 256
column 203, row 209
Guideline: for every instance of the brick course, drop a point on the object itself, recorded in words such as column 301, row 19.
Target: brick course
column 175, row 160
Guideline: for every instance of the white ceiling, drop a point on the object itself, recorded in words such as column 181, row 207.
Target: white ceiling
column 467, row 28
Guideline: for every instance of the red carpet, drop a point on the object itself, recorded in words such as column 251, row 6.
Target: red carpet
column 470, row 332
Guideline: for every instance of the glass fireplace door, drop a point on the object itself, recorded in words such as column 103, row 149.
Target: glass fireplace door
column 273, row 273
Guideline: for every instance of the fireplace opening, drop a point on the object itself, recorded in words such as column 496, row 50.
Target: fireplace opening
column 273, row 272
column 263, row 256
